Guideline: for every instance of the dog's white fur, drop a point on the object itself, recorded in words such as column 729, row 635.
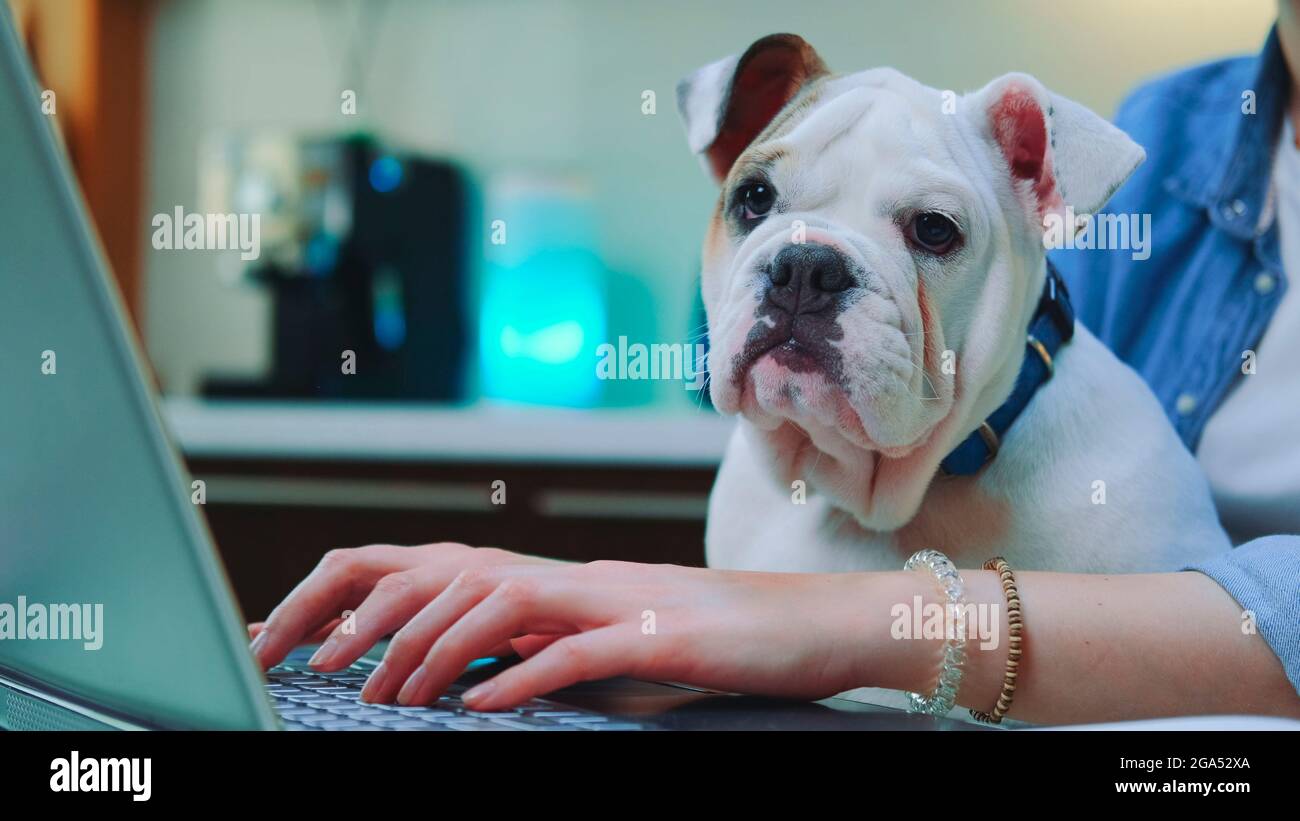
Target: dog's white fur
column 858, row 154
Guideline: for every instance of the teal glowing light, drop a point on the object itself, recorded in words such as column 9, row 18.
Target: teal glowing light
column 543, row 309
column 553, row 345
column 541, row 321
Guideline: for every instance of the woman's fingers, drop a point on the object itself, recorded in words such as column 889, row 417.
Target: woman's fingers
column 256, row 628
column 529, row 646
column 409, row 645
column 410, row 648
column 517, row 605
column 618, row 649
column 340, row 581
column 392, row 602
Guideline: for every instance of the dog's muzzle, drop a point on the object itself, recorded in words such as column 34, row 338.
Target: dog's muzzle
column 797, row 315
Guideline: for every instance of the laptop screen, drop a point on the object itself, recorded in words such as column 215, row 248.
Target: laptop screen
column 110, row 593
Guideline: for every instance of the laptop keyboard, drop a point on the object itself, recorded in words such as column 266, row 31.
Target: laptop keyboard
column 308, row 700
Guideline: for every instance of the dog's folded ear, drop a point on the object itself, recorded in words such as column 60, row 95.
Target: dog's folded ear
column 726, row 104
column 1059, row 152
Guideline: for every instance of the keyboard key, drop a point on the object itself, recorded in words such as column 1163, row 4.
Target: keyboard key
column 320, row 722
column 407, row 724
column 390, row 718
column 520, row 723
column 341, row 709
column 612, row 726
column 425, row 712
column 477, row 724
column 555, row 714
column 340, row 724
column 502, row 714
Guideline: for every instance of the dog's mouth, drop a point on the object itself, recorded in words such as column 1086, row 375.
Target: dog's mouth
column 802, row 343
column 790, row 370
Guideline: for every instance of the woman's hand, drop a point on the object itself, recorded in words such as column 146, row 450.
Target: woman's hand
column 385, row 585
column 798, row 635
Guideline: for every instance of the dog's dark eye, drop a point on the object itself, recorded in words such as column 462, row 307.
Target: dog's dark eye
column 755, row 200
column 934, row 232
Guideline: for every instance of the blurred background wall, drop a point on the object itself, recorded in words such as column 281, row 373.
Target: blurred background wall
column 555, row 88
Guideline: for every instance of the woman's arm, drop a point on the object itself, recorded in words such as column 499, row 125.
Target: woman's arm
column 1096, row 648
column 1102, row 648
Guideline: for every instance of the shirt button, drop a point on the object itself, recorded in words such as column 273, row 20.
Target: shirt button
column 1234, row 209
column 1185, row 404
column 1264, row 283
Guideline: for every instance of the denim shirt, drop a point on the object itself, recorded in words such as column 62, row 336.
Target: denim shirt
column 1183, row 317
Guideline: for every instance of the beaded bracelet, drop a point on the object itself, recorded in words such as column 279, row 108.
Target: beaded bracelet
column 944, row 696
column 1015, row 624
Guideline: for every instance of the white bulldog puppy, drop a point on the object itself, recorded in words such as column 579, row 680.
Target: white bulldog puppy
column 906, row 367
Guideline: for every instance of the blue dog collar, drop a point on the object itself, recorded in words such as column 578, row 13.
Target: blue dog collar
column 1051, row 327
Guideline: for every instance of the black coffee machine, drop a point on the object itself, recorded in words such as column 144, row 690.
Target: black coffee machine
column 371, row 303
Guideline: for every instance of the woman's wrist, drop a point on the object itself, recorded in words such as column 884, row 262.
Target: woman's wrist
column 897, row 634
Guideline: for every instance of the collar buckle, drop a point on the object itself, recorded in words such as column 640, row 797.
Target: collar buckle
column 1055, row 304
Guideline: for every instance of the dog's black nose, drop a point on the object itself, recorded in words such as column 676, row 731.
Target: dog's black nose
column 806, row 277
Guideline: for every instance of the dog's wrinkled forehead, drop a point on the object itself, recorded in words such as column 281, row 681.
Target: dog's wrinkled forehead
column 869, row 102
column 862, row 124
